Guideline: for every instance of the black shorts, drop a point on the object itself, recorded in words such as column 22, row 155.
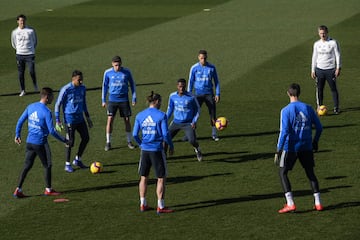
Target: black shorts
column 156, row 159
column 209, row 100
column 124, row 109
column 288, row 159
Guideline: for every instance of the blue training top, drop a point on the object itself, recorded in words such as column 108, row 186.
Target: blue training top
column 201, row 79
column 186, row 108
column 73, row 100
column 154, row 130
column 117, row 84
column 40, row 124
column 296, row 121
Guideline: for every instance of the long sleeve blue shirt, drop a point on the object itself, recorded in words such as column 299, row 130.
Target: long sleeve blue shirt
column 201, row 79
column 117, row 85
column 73, row 101
column 186, row 108
column 153, row 125
column 40, row 124
column 296, row 121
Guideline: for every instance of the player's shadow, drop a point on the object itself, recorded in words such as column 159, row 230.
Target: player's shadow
column 135, row 183
column 257, row 197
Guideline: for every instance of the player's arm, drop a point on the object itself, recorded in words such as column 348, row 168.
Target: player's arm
column 191, row 80
column 136, row 130
column 19, row 125
column 133, row 88
column 313, row 61
column 51, row 129
column 217, row 85
column 196, row 107
column 170, row 108
column 338, row 59
column 105, row 88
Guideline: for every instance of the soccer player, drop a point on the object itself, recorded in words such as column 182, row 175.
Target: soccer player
column 201, row 78
column 186, row 110
column 153, row 125
column 296, row 142
column 326, row 66
column 40, row 124
column 116, row 82
column 72, row 98
column 24, row 41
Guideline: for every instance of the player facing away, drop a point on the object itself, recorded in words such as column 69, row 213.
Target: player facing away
column 152, row 125
column 40, row 124
column 326, row 66
column 72, row 98
column 186, row 110
column 295, row 142
column 24, row 41
column 116, row 82
column 203, row 79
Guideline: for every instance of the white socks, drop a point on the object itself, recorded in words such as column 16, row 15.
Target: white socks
column 289, row 198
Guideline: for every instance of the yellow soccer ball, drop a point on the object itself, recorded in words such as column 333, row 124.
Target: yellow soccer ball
column 322, row 110
column 221, row 123
column 96, row 167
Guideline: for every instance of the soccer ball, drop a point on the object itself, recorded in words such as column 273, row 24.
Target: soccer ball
column 221, row 123
column 96, row 167
column 322, row 110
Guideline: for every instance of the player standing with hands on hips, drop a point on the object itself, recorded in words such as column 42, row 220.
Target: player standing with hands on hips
column 24, row 41
column 40, row 124
column 72, row 97
column 201, row 78
column 326, row 66
column 116, row 82
column 153, row 125
column 296, row 142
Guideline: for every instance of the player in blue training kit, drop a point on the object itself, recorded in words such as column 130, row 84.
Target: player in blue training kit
column 153, row 125
column 296, row 142
column 186, row 110
column 116, row 82
column 72, row 97
column 40, row 124
column 201, row 77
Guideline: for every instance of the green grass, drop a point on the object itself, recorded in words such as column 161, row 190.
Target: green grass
column 259, row 48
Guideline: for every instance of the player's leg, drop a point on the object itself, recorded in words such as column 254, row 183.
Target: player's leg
column 111, row 112
column 30, row 155
column 70, row 136
column 158, row 160
column 31, row 63
column 308, row 163
column 287, row 161
column 144, row 170
column 125, row 113
column 191, row 136
column 83, row 131
column 211, row 105
column 331, row 79
column 21, row 73
column 320, row 83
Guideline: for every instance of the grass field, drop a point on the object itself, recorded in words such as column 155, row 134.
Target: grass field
column 259, row 48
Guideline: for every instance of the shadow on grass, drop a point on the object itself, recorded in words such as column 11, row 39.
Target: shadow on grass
column 87, row 89
column 224, row 201
column 135, row 183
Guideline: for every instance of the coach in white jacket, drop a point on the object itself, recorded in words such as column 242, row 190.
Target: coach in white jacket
column 24, row 41
column 326, row 65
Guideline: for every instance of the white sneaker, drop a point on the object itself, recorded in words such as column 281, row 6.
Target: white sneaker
column 198, row 154
column 23, row 93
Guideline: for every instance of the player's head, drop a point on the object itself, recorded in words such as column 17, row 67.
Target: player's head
column 154, row 99
column 77, row 78
column 323, row 32
column 116, row 63
column 181, row 85
column 202, row 57
column 21, row 20
column 294, row 90
column 47, row 95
